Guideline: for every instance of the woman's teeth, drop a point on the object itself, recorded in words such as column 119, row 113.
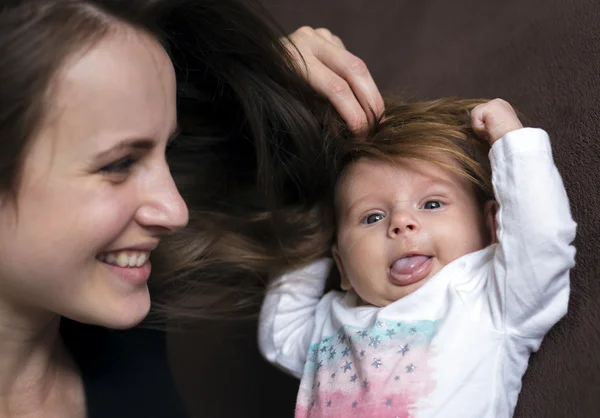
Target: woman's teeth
column 125, row 258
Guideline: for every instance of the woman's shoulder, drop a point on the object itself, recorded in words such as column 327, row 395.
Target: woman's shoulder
column 125, row 373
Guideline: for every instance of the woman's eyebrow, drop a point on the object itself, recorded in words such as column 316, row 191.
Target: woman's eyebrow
column 132, row 143
column 137, row 143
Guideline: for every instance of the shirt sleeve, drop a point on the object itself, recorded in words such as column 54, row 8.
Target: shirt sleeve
column 530, row 288
column 288, row 315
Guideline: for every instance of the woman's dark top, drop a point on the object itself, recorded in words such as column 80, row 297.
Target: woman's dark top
column 126, row 374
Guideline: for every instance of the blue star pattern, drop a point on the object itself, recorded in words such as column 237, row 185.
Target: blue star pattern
column 366, row 368
column 375, row 341
column 377, row 363
column 403, row 349
column 348, row 341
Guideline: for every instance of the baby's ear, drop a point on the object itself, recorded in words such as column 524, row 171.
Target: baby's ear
column 490, row 210
column 345, row 283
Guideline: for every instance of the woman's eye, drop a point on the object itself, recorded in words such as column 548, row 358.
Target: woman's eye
column 373, row 218
column 432, row 204
column 120, row 166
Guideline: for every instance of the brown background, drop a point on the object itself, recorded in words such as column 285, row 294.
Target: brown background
column 541, row 55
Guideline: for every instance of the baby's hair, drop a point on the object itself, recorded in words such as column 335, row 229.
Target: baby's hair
column 427, row 131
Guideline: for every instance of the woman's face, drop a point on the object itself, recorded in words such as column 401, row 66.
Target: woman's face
column 96, row 193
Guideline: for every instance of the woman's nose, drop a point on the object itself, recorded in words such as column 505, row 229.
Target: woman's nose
column 164, row 208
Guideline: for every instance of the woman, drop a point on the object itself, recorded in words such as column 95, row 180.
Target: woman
column 93, row 93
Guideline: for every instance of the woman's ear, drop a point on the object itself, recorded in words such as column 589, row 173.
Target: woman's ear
column 346, row 285
column 490, row 210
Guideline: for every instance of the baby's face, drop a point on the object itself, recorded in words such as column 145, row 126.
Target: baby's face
column 399, row 223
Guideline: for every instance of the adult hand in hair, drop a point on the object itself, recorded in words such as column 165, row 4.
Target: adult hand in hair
column 338, row 75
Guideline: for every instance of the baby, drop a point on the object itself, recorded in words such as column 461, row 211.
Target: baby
column 454, row 266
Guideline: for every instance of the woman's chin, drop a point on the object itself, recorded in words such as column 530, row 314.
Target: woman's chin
column 118, row 313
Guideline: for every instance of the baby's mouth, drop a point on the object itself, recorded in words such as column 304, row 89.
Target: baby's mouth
column 410, row 269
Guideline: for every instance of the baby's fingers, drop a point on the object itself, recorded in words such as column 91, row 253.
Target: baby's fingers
column 494, row 119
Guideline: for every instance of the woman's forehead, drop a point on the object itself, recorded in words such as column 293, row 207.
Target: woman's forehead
column 123, row 85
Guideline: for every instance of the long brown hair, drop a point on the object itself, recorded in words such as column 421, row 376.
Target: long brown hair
column 250, row 163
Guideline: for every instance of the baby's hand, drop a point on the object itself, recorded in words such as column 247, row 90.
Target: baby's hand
column 494, row 119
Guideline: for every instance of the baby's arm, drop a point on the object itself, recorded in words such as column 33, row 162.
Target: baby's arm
column 535, row 229
column 287, row 318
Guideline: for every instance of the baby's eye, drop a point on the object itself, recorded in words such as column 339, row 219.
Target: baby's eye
column 432, row 204
column 373, row 218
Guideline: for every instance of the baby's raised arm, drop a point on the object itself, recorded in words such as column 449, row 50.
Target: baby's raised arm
column 530, row 290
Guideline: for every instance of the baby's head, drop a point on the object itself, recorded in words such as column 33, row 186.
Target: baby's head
column 411, row 197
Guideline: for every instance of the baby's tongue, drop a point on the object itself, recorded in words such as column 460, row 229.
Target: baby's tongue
column 408, row 265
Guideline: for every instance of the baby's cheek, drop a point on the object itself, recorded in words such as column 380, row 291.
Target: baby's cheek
column 347, row 245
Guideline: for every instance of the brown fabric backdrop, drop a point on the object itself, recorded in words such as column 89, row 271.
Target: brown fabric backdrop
column 541, row 55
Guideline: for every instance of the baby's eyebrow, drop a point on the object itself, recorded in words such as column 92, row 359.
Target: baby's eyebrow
column 440, row 184
column 352, row 206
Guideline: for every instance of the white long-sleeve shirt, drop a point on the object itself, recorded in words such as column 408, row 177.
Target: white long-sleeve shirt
column 459, row 345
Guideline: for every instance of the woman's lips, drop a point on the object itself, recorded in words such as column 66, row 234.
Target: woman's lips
column 411, row 269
